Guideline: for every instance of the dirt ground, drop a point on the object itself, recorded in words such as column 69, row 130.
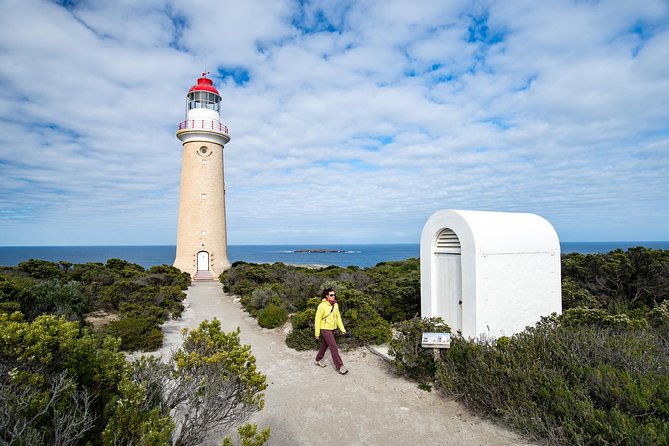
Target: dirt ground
column 310, row 405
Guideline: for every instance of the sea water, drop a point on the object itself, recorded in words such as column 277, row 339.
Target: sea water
column 341, row 255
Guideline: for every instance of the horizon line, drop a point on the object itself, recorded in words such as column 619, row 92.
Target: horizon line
column 308, row 244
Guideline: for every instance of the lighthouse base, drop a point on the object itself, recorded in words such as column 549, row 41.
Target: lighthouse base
column 202, row 265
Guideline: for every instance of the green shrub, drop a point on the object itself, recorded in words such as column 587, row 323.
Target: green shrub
column 302, row 339
column 411, row 359
column 171, row 299
column 599, row 317
column 575, row 296
column 392, row 290
column 50, row 370
column 52, row 296
column 167, row 275
column 243, row 278
column 248, row 435
column 620, row 280
column 568, row 384
column 124, row 268
column 137, row 332
column 94, row 273
column 14, row 292
column 396, row 286
column 134, row 421
column 128, row 309
column 264, row 295
column 272, row 316
column 361, row 318
column 302, row 336
column 659, row 316
column 122, row 290
column 305, row 318
column 42, row 269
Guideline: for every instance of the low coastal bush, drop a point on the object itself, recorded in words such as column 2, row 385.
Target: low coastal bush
column 359, row 316
column 619, row 281
column 272, row 316
column 60, row 384
column 55, row 380
column 411, row 359
column 396, row 288
column 140, row 300
column 302, row 335
column 137, row 332
column 574, row 317
column 565, row 383
column 598, row 374
column 302, row 339
column 364, row 296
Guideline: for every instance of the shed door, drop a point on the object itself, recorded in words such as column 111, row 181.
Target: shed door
column 203, row 261
column 448, row 279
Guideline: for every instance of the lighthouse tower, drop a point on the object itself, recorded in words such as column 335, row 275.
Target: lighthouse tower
column 202, row 248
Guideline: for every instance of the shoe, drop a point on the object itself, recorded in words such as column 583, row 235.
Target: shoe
column 320, row 363
column 343, row 370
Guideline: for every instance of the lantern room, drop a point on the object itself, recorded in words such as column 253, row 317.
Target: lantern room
column 203, row 96
column 203, row 106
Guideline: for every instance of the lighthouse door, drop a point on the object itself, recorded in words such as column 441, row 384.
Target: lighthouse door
column 448, row 272
column 203, row 261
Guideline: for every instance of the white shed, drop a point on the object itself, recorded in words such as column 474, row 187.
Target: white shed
column 489, row 274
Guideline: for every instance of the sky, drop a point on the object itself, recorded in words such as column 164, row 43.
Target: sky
column 351, row 121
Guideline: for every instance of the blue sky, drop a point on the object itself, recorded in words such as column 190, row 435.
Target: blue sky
column 351, row 121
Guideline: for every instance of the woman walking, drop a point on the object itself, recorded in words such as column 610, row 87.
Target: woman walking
column 327, row 320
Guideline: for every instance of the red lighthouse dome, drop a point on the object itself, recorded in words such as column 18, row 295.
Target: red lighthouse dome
column 204, row 84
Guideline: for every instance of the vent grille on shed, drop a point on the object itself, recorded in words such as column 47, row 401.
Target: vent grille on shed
column 447, row 239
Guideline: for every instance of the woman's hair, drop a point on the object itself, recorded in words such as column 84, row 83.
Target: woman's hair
column 326, row 292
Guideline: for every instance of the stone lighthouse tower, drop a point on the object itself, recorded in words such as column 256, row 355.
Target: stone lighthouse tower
column 202, row 248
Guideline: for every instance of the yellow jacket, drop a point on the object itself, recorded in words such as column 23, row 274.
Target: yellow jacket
column 327, row 318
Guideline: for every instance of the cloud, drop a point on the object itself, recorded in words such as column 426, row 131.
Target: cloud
column 350, row 121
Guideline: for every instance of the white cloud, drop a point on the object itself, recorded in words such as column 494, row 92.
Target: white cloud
column 350, row 121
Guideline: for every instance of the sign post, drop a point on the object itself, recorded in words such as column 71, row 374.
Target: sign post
column 436, row 341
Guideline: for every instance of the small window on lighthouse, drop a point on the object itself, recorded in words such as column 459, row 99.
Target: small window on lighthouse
column 204, row 233
column 204, row 196
column 203, row 150
column 204, row 162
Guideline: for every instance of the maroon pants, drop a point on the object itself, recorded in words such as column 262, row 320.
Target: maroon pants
column 328, row 340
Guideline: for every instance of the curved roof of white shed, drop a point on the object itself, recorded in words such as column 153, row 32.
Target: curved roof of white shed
column 494, row 232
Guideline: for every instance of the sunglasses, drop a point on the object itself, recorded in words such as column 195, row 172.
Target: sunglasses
column 331, row 295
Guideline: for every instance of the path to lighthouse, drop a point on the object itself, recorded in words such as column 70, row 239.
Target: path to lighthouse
column 308, row 405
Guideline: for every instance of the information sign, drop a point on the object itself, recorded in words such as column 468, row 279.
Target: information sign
column 436, row 340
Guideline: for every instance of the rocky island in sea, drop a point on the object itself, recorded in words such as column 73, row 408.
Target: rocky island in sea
column 318, row 250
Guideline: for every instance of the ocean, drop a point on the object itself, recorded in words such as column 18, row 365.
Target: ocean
column 357, row 255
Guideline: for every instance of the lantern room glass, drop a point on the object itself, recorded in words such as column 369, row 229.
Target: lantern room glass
column 204, row 99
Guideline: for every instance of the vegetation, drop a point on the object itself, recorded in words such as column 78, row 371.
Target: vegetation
column 272, row 316
column 210, row 382
column 618, row 282
column 568, row 384
column 65, row 382
column 411, row 359
column 56, row 380
column 61, row 384
column 597, row 374
column 140, row 300
column 369, row 299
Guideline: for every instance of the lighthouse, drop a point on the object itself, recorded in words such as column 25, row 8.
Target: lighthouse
column 202, row 246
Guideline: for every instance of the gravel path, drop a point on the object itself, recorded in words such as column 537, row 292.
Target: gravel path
column 309, row 405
